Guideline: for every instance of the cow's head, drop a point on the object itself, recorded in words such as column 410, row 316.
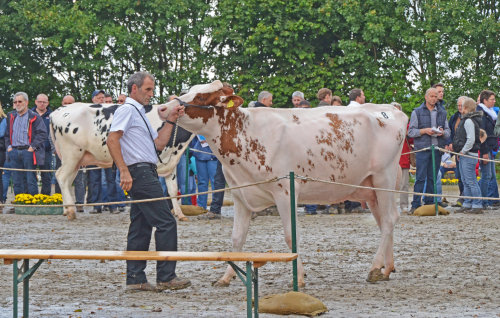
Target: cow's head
column 214, row 95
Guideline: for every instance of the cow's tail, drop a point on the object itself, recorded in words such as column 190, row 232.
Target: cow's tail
column 399, row 184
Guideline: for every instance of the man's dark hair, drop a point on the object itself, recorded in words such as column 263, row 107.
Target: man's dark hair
column 305, row 103
column 438, row 85
column 354, row 93
column 107, row 95
column 138, row 79
column 322, row 93
column 485, row 95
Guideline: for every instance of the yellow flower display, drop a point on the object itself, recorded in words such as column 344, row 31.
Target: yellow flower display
column 38, row 199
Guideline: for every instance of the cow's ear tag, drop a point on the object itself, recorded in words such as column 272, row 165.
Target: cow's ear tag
column 230, row 104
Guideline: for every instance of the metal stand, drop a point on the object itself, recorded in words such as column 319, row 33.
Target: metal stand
column 23, row 276
column 248, row 277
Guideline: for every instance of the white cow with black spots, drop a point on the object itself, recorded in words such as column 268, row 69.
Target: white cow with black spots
column 350, row 145
column 79, row 132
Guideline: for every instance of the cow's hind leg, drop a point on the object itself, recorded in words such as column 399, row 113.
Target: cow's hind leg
column 240, row 230
column 65, row 176
column 385, row 212
column 171, row 182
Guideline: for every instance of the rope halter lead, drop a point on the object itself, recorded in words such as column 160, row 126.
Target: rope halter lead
column 182, row 103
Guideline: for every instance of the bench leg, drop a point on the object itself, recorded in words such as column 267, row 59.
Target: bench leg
column 27, row 272
column 249, row 289
column 256, row 292
column 15, row 290
column 248, row 278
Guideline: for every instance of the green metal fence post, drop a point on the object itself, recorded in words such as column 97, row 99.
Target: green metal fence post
column 294, row 231
column 434, row 179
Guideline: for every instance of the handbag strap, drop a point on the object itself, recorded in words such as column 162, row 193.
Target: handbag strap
column 149, row 131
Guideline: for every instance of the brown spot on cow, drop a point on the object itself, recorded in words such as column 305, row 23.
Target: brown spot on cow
column 204, row 114
column 296, row 119
column 310, row 153
column 310, row 163
column 343, row 131
column 231, row 124
column 231, row 162
column 380, row 122
column 286, row 192
column 280, row 185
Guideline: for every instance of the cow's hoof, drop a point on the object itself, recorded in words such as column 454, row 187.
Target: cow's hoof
column 300, row 284
column 71, row 216
column 183, row 218
column 376, row 275
column 220, row 283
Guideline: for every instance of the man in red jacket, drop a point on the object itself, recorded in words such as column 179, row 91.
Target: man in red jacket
column 25, row 141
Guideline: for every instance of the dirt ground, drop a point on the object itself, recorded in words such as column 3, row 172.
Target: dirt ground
column 447, row 266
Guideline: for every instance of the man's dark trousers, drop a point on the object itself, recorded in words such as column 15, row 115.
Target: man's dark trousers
column 145, row 216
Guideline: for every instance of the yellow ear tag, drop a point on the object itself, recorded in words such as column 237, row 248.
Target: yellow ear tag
column 230, row 104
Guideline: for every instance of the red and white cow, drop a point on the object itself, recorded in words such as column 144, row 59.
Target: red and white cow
column 351, row 145
column 79, row 132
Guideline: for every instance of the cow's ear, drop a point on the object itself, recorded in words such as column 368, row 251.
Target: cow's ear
column 231, row 101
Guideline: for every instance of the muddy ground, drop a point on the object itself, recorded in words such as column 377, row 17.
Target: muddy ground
column 447, row 266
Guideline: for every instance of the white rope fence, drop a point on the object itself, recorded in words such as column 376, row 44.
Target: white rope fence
column 275, row 179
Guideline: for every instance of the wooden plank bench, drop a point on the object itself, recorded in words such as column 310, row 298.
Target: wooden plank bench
column 248, row 276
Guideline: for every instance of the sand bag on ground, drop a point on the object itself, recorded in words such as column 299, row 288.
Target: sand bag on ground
column 192, row 210
column 428, row 210
column 292, row 303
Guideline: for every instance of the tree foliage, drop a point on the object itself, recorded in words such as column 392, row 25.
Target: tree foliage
column 391, row 49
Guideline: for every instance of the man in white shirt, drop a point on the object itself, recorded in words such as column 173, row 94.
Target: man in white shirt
column 356, row 97
column 133, row 144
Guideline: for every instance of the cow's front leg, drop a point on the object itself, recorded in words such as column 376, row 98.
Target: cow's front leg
column 240, row 230
column 283, row 205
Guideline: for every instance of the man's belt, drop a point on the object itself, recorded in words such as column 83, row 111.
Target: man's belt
column 142, row 165
column 20, row 147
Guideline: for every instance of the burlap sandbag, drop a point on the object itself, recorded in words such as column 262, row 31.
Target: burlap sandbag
column 429, row 210
column 192, row 210
column 292, row 303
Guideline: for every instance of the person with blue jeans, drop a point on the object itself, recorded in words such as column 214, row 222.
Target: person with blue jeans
column 25, row 141
column 42, row 109
column 206, row 167
column 487, row 101
column 467, row 142
column 428, row 126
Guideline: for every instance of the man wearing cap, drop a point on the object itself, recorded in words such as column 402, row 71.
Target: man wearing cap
column 25, row 141
column 95, row 175
column 133, row 144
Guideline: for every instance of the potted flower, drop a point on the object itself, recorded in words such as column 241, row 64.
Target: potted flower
column 38, row 204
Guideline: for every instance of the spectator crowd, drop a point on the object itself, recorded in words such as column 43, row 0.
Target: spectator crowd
column 470, row 134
